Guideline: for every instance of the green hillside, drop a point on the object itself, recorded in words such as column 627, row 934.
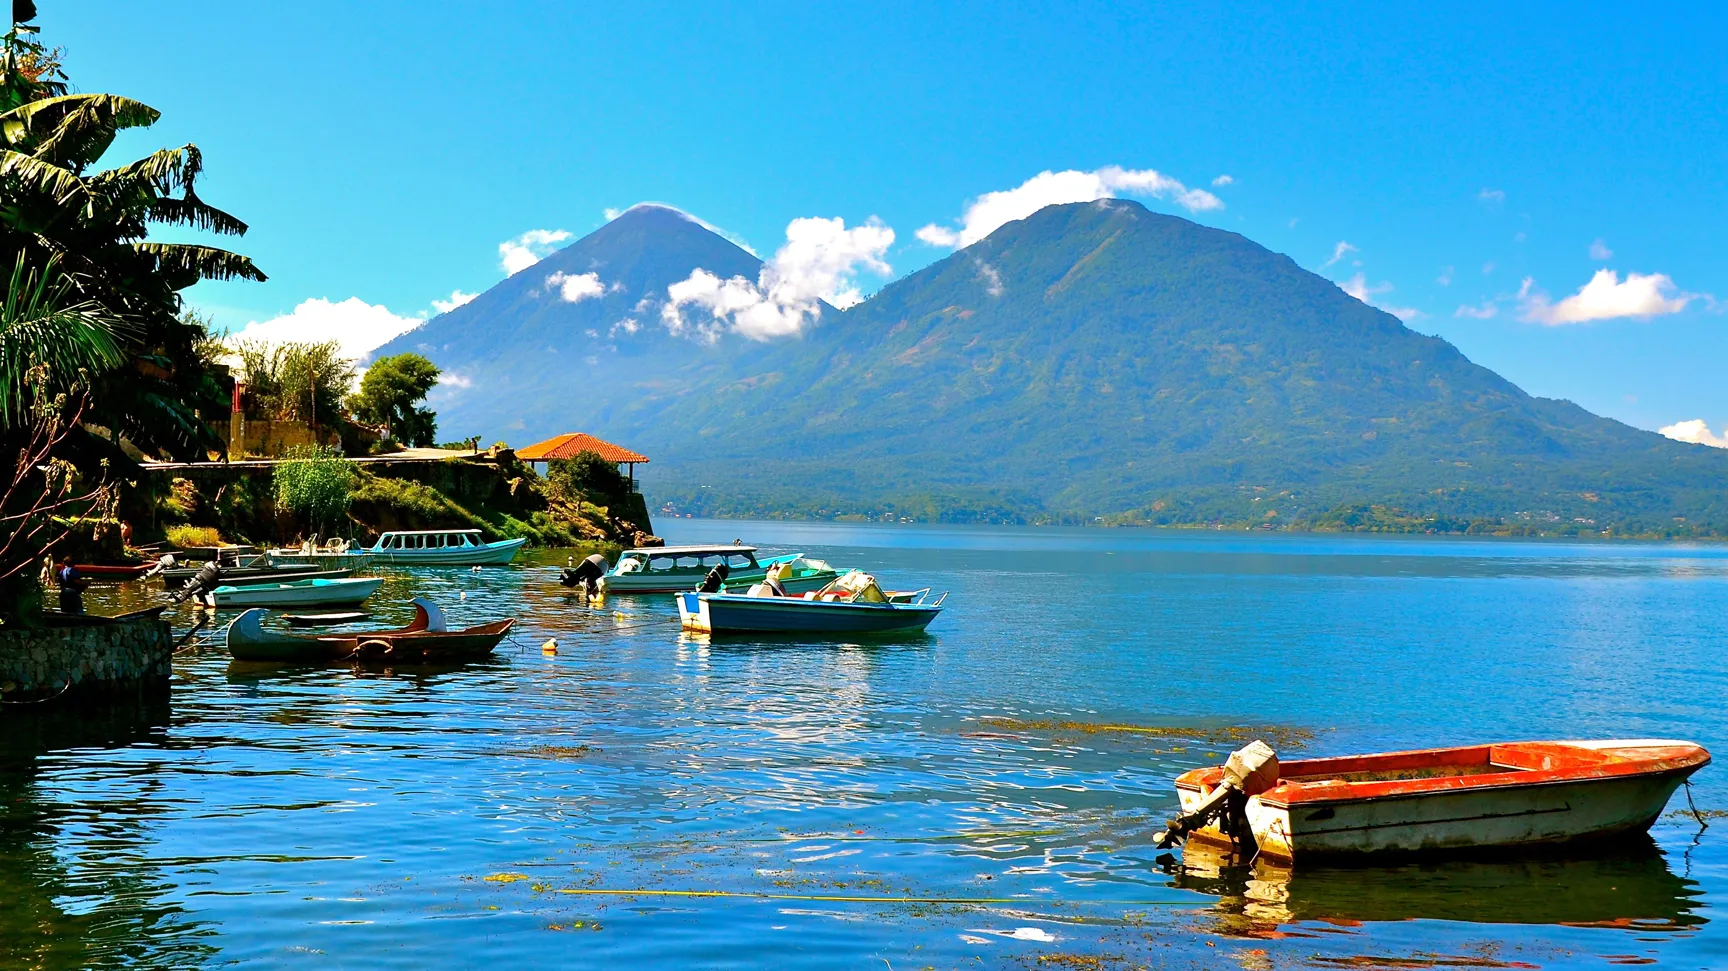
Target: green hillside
column 1102, row 360
column 1094, row 360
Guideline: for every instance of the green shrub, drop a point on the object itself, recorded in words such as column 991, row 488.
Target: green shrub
column 314, row 482
column 587, row 477
column 187, row 536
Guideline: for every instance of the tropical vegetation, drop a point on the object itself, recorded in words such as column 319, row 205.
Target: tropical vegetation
column 314, row 482
column 390, row 394
column 95, row 223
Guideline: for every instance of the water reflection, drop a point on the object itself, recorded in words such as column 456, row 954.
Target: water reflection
column 97, row 909
column 1627, row 886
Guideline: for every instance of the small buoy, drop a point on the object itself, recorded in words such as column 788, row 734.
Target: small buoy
column 474, row 569
column 549, row 648
column 463, row 595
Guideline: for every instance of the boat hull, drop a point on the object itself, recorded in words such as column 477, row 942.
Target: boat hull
column 179, row 576
column 423, row 641
column 679, row 582
column 731, row 613
column 348, row 591
column 1539, row 801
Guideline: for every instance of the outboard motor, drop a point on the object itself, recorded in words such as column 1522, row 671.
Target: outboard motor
column 585, row 574
column 715, row 579
column 208, row 578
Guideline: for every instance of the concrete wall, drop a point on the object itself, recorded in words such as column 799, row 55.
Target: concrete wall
column 268, row 439
column 124, row 655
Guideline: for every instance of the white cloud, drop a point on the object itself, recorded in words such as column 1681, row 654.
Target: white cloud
column 1491, row 197
column 1599, row 251
column 989, row 211
column 1483, row 312
column 819, row 261
column 612, row 213
column 576, row 287
column 992, row 279
column 516, row 255
column 1338, row 252
column 359, row 327
column 628, row 325
column 453, row 379
column 457, row 299
column 1357, row 286
column 1445, row 277
column 1488, row 268
column 1696, row 432
column 1606, row 297
column 1222, row 181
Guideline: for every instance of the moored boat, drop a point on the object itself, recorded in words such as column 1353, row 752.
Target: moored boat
column 412, row 547
column 112, row 572
column 177, row 576
column 425, row 640
column 298, row 593
column 669, row 569
column 1510, row 795
column 851, row 604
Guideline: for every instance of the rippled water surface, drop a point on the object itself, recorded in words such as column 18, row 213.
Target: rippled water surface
column 973, row 798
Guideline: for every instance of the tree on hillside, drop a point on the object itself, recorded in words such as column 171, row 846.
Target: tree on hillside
column 587, row 477
column 389, row 393
column 302, row 382
column 53, row 203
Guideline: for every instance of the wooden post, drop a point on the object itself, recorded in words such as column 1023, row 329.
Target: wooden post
column 237, row 423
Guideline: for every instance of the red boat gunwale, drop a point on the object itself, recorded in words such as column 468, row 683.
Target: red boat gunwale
column 1312, row 782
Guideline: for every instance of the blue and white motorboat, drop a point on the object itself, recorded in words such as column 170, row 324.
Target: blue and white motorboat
column 407, row 547
column 851, row 604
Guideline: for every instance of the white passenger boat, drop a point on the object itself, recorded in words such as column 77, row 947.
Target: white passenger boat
column 299, row 593
column 1517, row 794
column 407, row 547
column 670, row 569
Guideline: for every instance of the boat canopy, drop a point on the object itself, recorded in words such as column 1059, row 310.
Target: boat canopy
column 656, row 558
column 428, row 539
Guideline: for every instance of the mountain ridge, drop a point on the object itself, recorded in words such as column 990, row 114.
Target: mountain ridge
column 1102, row 360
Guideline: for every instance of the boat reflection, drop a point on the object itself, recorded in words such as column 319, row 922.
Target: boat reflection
column 1627, row 886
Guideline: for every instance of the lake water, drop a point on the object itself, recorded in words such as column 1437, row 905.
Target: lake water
column 645, row 799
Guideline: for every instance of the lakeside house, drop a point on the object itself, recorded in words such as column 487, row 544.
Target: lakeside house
column 572, row 444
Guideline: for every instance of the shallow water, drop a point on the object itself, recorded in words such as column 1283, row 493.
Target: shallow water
column 956, row 800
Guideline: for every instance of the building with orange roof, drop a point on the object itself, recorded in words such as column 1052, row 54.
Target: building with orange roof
column 570, row 445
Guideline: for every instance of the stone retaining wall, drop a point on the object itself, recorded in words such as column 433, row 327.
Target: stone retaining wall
column 131, row 654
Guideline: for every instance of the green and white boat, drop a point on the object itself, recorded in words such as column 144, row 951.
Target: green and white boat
column 671, row 569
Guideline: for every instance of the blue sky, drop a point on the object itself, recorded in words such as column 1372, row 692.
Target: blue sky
column 383, row 152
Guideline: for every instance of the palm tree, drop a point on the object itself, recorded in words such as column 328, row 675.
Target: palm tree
column 96, row 223
column 49, row 344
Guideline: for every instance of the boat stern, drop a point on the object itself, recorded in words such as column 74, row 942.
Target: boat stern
column 693, row 612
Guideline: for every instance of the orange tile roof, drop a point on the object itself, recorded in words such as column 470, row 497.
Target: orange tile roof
column 574, row 444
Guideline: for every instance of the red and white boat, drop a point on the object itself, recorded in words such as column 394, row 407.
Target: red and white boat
column 1517, row 794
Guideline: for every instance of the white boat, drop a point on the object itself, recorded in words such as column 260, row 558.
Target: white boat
column 670, row 569
column 300, row 593
column 407, row 547
column 853, row 604
column 1517, row 794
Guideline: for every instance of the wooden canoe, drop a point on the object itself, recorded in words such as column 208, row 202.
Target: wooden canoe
column 426, row 640
column 1451, row 800
column 112, row 571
